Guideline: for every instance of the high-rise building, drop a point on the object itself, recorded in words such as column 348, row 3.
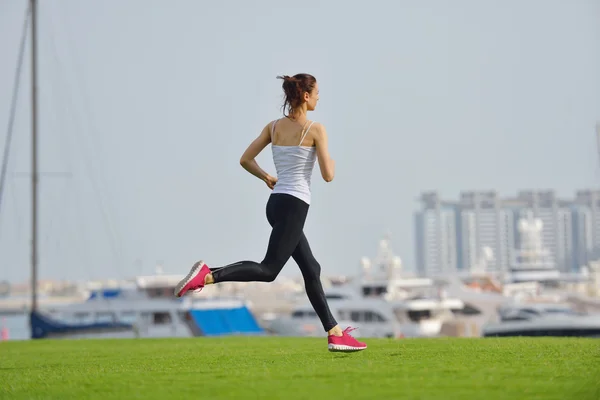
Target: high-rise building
column 586, row 226
column 486, row 232
column 480, row 230
column 435, row 229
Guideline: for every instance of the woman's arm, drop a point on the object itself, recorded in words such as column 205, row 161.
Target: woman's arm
column 248, row 159
column 326, row 164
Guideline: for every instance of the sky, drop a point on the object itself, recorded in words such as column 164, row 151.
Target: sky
column 147, row 106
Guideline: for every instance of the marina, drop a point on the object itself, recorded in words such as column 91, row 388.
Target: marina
column 383, row 301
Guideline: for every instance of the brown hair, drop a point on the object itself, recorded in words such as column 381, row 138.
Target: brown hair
column 294, row 88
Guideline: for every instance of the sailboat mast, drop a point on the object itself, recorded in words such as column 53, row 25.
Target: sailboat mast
column 34, row 156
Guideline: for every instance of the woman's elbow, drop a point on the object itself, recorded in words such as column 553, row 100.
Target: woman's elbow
column 328, row 176
column 244, row 161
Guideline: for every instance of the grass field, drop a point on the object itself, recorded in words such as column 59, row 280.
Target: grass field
column 301, row 368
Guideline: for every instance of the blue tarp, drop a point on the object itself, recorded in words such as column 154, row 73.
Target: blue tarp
column 226, row 321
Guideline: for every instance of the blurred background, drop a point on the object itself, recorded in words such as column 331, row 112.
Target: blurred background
column 466, row 200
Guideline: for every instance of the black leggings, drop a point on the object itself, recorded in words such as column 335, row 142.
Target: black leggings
column 286, row 215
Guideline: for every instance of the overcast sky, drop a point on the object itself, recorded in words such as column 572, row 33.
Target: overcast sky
column 148, row 106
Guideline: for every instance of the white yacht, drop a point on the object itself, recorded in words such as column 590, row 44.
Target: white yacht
column 372, row 317
column 146, row 308
column 381, row 303
column 542, row 320
column 540, row 305
column 421, row 305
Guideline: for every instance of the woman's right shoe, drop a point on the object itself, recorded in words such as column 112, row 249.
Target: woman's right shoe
column 345, row 342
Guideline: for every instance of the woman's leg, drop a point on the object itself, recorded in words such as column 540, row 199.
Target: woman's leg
column 311, row 272
column 337, row 340
column 286, row 214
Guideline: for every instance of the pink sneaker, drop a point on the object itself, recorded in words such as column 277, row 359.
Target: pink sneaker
column 345, row 342
column 194, row 280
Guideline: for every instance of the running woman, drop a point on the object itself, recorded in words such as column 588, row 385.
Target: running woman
column 296, row 143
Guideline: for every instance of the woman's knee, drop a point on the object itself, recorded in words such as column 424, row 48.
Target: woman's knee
column 270, row 272
column 270, row 276
column 313, row 272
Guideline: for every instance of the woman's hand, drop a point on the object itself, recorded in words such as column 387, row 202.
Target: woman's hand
column 270, row 181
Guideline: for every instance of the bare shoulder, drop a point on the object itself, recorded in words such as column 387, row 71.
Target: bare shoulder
column 318, row 130
column 268, row 128
column 270, row 125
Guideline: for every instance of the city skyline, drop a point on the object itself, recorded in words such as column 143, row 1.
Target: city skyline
column 579, row 206
column 458, row 234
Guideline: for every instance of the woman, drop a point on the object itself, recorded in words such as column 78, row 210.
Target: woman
column 296, row 143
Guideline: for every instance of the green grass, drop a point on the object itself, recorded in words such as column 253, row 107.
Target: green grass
column 301, row 368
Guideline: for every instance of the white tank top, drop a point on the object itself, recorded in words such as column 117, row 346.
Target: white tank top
column 294, row 166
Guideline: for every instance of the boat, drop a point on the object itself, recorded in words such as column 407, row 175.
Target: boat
column 421, row 305
column 381, row 302
column 543, row 319
column 374, row 318
column 541, row 305
column 146, row 308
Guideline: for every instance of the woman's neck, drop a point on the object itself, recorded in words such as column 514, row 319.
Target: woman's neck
column 299, row 115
